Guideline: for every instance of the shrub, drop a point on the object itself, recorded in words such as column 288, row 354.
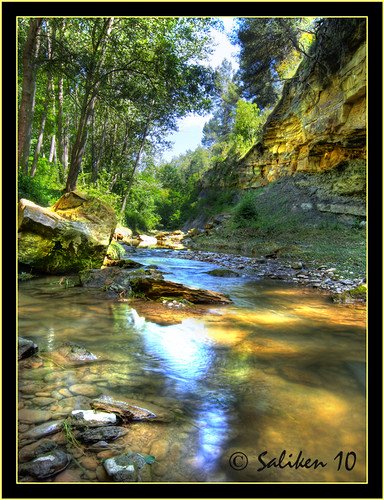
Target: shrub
column 245, row 211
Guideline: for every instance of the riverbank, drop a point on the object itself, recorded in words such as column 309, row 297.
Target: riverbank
column 322, row 277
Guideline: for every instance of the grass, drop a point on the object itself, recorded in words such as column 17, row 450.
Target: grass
column 269, row 219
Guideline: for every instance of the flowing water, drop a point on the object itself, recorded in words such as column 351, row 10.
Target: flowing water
column 268, row 389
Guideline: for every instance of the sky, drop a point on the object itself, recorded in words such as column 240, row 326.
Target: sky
column 191, row 127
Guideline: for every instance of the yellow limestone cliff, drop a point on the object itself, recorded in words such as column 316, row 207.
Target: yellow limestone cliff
column 313, row 128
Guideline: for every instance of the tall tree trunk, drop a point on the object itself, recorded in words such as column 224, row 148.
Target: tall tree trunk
column 62, row 150
column 42, row 128
column 46, row 103
column 28, row 95
column 95, row 166
column 130, row 181
column 79, row 146
column 92, row 84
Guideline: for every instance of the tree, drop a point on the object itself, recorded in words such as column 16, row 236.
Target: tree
column 227, row 94
column 100, row 34
column 27, row 104
column 248, row 121
column 140, row 61
column 267, row 43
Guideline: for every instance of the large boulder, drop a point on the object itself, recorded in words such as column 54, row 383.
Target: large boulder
column 72, row 235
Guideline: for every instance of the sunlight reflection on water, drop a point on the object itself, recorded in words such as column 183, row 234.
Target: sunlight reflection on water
column 281, row 368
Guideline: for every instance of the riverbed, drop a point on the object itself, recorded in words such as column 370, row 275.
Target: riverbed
column 268, row 389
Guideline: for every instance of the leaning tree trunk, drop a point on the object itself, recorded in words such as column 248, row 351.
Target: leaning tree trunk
column 130, row 181
column 28, row 95
column 92, row 85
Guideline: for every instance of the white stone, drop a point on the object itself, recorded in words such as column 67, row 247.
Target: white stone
column 97, row 417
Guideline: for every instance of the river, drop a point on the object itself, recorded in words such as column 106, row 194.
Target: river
column 268, row 389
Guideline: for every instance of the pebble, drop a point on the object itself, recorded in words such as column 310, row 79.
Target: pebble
column 89, row 463
column 43, row 401
column 159, row 449
column 69, row 476
column 85, row 390
column 30, row 416
column 64, row 392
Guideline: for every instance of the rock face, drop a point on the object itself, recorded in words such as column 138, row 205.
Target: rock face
column 317, row 130
column 70, row 236
column 314, row 128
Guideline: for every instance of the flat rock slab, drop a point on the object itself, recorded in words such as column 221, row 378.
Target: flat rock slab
column 125, row 411
column 44, row 430
column 103, row 433
column 95, row 418
column 156, row 289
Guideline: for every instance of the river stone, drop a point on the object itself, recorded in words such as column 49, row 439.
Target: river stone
column 159, row 449
column 46, row 465
column 74, row 403
column 157, row 289
column 25, row 348
column 74, row 352
column 223, row 273
column 43, row 401
column 31, row 451
column 125, row 468
column 85, row 390
column 109, row 278
column 95, row 418
column 67, row 237
column 34, row 416
column 44, row 429
column 103, row 433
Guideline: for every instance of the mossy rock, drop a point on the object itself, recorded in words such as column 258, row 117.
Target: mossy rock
column 72, row 235
column 223, row 273
column 358, row 294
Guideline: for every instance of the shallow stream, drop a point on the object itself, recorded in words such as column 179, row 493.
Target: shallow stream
column 282, row 368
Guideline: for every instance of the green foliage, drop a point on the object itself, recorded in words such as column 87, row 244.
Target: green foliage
column 100, row 189
column 140, row 212
column 150, row 459
column 248, row 121
column 43, row 189
column 245, row 212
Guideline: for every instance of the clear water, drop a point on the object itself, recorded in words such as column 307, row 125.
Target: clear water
column 282, row 368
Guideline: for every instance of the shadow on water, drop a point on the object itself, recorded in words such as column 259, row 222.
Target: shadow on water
column 280, row 369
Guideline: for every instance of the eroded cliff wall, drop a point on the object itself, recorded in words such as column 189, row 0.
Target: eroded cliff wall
column 317, row 131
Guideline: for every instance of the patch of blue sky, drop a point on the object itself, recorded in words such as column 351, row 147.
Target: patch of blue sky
column 190, row 128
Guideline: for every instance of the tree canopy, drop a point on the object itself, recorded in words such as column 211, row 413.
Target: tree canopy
column 98, row 97
column 271, row 49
